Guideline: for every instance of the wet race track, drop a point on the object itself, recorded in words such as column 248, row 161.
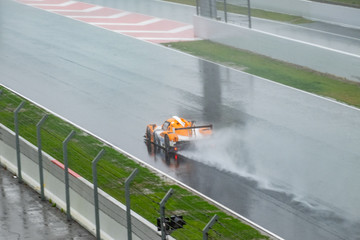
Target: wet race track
column 286, row 160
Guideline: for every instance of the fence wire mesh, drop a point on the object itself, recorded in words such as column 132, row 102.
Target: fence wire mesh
column 231, row 11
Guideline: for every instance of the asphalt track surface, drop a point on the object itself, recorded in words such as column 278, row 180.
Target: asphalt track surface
column 24, row 216
column 285, row 159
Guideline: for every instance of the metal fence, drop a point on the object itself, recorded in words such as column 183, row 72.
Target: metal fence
column 38, row 127
column 231, row 11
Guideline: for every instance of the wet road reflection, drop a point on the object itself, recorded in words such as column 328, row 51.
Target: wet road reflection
column 24, row 216
column 212, row 91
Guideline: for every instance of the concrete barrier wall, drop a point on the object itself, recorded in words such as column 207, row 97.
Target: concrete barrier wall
column 112, row 213
column 316, row 57
column 330, row 13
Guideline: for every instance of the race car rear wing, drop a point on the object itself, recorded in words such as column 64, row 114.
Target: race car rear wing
column 204, row 126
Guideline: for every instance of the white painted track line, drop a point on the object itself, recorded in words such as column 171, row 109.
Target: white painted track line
column 91, row 9
column 65, row 4
column 110, row 16
column 147, row 22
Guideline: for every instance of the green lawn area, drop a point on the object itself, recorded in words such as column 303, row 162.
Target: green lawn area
column 278, row 71
column 147, row 189
column 254, row 12
column 350, row 3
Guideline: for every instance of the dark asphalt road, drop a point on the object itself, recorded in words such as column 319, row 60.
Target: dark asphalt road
column 24, row 216
column 285, row 159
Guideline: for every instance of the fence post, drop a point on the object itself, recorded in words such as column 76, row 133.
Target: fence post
column 211, row 8
column 208, row 226
column 66, row 166
column 162, row 213
column 127, row 197
column 96, row 198
column 197, row 8
column 38, row 135
column 225, row 10
column 249, row 13
column 16, row 122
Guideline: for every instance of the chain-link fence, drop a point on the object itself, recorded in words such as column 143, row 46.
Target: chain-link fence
column 231, row 11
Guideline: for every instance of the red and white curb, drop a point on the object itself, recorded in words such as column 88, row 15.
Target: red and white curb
column 59, row 164
column 135, row 25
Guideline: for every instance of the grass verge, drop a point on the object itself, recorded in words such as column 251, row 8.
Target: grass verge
column 288, row 74
column 348, row 3
column 147, row 189
column 254, row 12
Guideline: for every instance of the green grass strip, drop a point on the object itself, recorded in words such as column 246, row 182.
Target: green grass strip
column 147, row 189
column 349, row 3
column 254, row 12
column 278, row 71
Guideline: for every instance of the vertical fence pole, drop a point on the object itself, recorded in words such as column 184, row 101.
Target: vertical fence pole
column 66, row 168
column 249, row 13
column 225, row 10
column 208, row 226
column 38, row 135
column 16, row 122
column 162, row 213
column 127, row 197
column 197, row 8
column 96, row 198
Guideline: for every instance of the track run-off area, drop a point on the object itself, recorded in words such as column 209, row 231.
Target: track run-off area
column 140, row 26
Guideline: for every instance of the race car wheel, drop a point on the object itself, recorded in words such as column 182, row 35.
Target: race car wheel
column 155, row 139
column 148, row 134
column 166, row 143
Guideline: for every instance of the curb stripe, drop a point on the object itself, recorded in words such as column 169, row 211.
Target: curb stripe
column 140, row 26
column 59, row 164
column 147, row 22
column 99, row 17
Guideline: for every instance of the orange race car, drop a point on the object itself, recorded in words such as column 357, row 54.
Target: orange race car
column 176, row 133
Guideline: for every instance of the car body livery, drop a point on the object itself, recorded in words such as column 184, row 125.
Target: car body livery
column 176, row 133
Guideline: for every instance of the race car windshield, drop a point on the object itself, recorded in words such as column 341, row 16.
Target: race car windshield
column 165, row 126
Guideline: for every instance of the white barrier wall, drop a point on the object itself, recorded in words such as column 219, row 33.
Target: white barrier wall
column 330, row 13
column 112, row 213
column 315, row 57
